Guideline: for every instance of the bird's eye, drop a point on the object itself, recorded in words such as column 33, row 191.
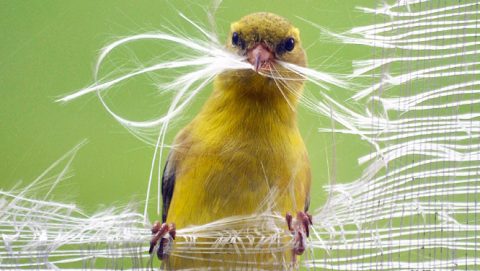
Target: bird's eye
column 235, row 39
column 289, row 44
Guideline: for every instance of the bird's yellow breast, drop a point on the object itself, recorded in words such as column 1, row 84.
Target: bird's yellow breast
column 234, row 155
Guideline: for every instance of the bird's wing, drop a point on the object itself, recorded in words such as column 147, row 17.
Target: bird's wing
column 307, row 203
column 168, row 184
column 308, row 181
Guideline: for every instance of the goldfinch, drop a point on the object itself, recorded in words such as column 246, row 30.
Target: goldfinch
column 243, row 144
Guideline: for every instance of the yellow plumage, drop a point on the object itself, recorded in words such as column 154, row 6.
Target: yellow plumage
column 244, row 142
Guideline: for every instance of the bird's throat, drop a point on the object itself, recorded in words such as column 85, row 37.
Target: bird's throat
column 256, row 100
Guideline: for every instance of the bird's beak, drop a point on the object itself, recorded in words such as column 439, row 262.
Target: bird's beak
column 259, row 56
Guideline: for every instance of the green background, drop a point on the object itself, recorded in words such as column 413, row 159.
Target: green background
column 48, row 49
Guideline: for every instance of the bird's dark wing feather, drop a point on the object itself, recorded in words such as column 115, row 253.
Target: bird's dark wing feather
column 168, row 184
column 307, row 203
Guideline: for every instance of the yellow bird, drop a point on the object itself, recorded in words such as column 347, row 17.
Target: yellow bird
column 245, row 141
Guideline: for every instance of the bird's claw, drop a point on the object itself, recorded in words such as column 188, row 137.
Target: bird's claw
column 166, row 234
column 300, row 228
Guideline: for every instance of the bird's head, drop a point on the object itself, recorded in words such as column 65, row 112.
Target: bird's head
column 265, row 39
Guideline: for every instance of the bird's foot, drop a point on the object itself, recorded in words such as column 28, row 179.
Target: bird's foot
column 300, row 228
column 166, row 234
